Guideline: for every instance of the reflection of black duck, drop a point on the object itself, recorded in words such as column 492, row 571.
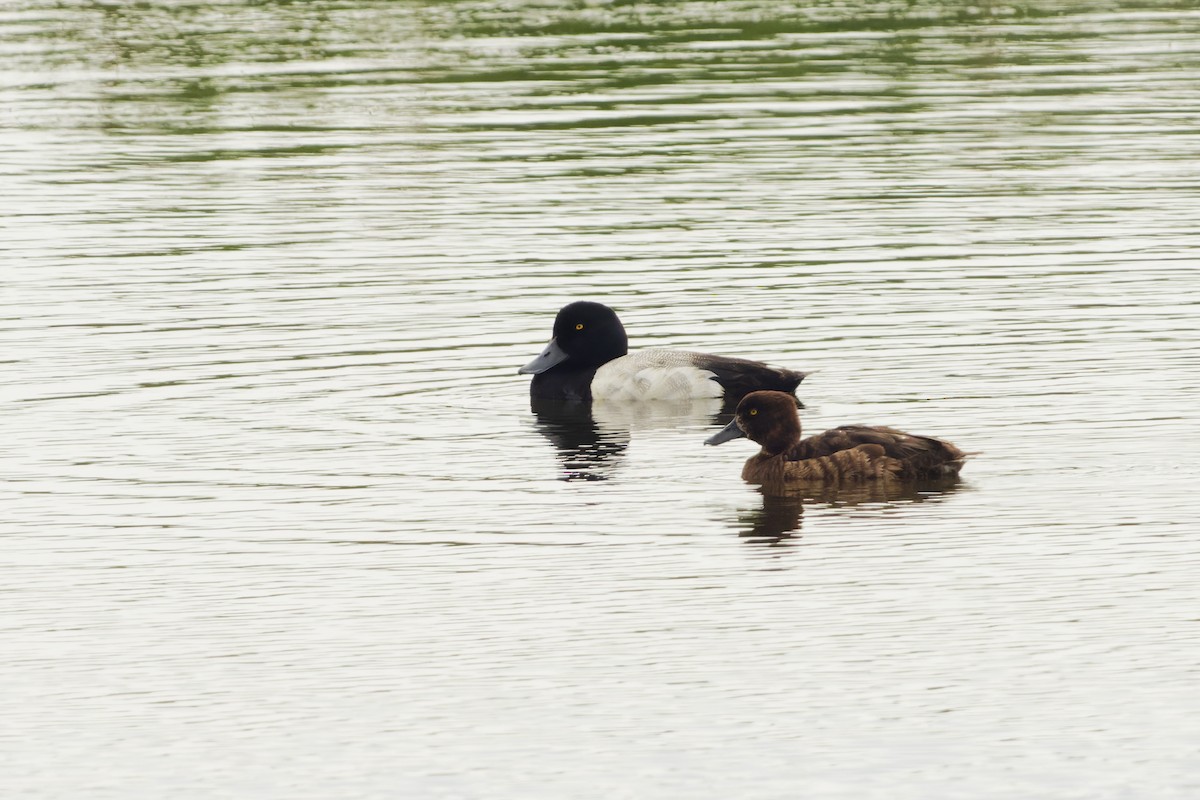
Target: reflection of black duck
column 588, row 358
column 591, row 438
column 847, row 456
column 586, row 453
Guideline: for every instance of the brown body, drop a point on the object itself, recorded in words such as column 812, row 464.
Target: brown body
column 848, row 455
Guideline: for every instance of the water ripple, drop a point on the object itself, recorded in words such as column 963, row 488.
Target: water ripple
column 274, row 493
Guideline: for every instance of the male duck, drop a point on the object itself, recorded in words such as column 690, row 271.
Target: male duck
column 849, row 454
column 588, row 359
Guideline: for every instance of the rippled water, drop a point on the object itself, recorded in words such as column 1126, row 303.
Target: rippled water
column 280, row 520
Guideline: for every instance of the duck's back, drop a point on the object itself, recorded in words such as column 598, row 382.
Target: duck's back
column 739, row 377
column 918, row 456
column 663, row 374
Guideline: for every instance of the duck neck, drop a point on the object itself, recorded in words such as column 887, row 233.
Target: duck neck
column 781, row 438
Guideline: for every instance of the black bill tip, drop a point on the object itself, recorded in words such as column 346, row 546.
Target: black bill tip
column 730, row 431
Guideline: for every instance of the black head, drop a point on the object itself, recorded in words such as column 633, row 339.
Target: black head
column 590, row 333
column 586, row 336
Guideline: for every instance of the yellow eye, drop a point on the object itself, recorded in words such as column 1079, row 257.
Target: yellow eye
column 753, row 411
column 579, row 326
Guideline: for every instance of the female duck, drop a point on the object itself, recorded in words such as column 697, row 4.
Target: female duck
column 849, row 454
column 589, row 358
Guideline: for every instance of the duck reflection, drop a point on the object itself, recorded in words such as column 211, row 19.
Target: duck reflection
column 586, row 453
column 776, row 520
column 591, row 438
column 877, row 492
column 779, row 516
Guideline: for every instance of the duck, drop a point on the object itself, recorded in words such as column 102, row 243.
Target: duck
column 588, row 359
column 846, row 455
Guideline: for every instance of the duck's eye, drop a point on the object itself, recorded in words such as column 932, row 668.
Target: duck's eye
column 753, row 411
column 578, row 326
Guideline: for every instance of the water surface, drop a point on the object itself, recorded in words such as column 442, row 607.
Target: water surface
column 280, row 520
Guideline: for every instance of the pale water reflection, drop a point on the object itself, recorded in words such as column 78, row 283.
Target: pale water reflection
column 279, row 519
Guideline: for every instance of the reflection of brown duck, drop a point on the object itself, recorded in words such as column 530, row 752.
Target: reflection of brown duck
column 777, row 519
column 848, row 455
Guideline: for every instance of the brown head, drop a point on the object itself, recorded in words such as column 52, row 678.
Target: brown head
column 768, row 418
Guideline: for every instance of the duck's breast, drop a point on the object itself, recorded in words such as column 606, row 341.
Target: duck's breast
column 653, row 374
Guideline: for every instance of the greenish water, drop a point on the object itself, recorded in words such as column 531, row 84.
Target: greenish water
column 280, row 521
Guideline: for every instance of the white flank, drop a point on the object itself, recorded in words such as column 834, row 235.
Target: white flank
column 653, row 375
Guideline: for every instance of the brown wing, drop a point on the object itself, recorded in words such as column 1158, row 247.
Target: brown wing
column 864, row 462
column 854, row 466
column 919, row 456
